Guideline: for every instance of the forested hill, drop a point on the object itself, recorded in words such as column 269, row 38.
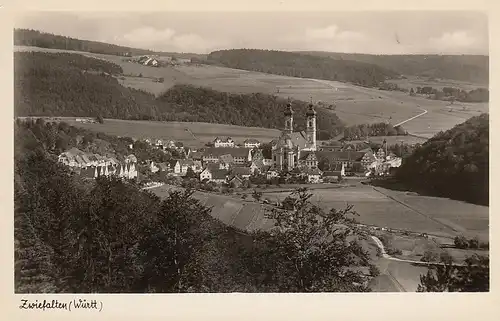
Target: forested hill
column 302, row 65
column 473, row 68
column 34, row 38
column 454, row 163
column 62, row 84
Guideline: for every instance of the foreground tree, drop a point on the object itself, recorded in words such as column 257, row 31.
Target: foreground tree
column 310, row 250
column 474, row 276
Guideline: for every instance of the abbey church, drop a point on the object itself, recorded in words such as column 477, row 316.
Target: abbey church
column 296, row 149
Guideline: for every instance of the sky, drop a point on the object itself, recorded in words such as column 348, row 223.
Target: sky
column 389, row 32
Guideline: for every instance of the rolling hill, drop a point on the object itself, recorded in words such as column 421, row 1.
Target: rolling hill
column 473, row 68
column 302, row 65
column 66, row 84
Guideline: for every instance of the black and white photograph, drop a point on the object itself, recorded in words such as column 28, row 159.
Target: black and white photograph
column 251, row 152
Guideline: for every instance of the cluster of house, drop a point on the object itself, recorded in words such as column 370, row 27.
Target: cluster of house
column 156, row 61
column 229, row 142
column 91, row 165
column 294, row 153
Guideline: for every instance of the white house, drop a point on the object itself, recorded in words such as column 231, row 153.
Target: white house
column 251, row 143
column 206, row 174
column 313, row 175
column 182, row 165
column 223, row 142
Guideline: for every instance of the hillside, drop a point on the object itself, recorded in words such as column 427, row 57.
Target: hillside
column 27, row 37
column 302, row 65
column 473, row 68
column 454, row 163
column 73, row 85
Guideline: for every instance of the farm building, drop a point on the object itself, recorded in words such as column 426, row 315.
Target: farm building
column 240, row 155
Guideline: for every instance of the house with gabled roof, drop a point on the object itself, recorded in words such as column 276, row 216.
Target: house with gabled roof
column 313, row 175
column 251, row 143
column 334, row 175
column 239, row 155
column 235, row 180
column 223, row 142
column 243, row 172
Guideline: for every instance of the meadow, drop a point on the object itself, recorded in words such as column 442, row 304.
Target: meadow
column 191, row 134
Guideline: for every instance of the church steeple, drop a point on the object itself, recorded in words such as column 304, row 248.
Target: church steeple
column 288, row 118
column 311, row 127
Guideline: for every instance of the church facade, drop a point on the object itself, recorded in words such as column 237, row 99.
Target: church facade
column 296, row 149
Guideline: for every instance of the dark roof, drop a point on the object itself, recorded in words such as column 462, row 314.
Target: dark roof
column 196, row 155
column 307, row 154
column 345, row 156
column 217, row 152
column 241, row 171
column 219, row 173
column 332, row 173
column 251, row 141
column 235, row 177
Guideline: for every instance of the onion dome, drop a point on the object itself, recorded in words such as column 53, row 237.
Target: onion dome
column 311, row 111
column 288, row 110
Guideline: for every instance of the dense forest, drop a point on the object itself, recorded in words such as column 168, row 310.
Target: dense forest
column 474, row 68
column 34, row 38
column 454, row 163
column 108, row 236
column 73, row 85
column 303, row 66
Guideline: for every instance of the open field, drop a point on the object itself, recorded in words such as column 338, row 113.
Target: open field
column 422, row 214
column 374, row 208
column 355, row 104
column 191, row 134
column 408, row 139
column 414, row 82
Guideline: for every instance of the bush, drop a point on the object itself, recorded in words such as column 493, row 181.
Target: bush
column 393, row 251
column 461, row 242
column 374, row 271
column 474, row 243
column 429, row 256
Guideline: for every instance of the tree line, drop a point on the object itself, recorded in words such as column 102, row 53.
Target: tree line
column 74, row 85
column 302, row 65
column 363, row 131
column 454, row 163
column 452, row 94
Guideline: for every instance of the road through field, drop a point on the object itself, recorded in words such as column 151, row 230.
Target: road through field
column 379, row 93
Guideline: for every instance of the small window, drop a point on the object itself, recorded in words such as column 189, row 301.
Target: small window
column 310, row 123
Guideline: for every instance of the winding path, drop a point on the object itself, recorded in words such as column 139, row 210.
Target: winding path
column 392, row 258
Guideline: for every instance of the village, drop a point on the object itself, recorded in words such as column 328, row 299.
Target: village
column 293, row 158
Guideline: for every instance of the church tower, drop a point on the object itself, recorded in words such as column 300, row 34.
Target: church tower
column 311, row 128
column 289, row 119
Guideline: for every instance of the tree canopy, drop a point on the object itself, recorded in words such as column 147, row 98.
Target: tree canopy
column 454, row 163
